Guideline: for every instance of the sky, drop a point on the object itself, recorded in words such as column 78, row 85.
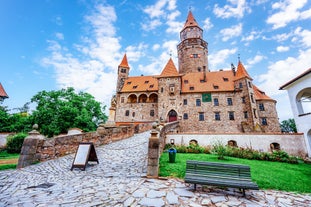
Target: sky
column 54, row 44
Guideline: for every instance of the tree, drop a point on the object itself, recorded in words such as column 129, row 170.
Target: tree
column 57, row 111
column 288, row 126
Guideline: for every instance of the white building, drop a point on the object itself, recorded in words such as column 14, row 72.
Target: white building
column 299, row 92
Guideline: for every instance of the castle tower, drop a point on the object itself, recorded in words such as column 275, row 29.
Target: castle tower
column 192, row 50
column 243, row 83
column 123, row 73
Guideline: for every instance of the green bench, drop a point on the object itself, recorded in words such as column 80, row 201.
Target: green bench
column 219, row 174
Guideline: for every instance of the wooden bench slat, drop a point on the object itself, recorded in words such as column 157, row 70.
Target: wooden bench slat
column 219, row 174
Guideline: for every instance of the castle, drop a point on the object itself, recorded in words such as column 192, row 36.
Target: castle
column 224, row 101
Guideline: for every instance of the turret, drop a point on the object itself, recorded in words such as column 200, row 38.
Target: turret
column 123, row 72
column 192, row 50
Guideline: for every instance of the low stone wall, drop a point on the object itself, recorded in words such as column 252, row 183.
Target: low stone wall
column 172, row 127
column 37, row 148
column 293, row 144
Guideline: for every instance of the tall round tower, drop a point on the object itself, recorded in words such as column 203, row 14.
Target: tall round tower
column 192, row 50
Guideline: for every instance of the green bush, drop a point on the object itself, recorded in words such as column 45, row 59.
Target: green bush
column 15, row 142
column 220, row 150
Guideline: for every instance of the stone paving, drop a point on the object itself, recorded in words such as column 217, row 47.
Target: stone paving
column 120, row 180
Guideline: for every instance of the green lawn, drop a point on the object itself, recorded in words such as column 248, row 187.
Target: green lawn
column 268, row 175
column 7, row 160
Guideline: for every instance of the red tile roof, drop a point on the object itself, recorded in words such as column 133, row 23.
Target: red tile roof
column 140, row 83
column 260, row 95
column 124, row 62
column 3, row 94
column 190, row 22
column 241, row 72
column 169, row 70
column 217, row 81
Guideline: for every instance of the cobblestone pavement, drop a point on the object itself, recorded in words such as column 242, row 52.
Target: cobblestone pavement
column 120, row 180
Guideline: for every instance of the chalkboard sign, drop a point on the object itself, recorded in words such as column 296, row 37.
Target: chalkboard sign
column 85, row 152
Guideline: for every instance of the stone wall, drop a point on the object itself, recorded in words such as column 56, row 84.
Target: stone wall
column 37, row 148
column 293, row 144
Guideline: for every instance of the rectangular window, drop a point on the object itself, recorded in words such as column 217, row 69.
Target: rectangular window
column 185, row 81
column 185, row 102
column 264, row 121
column 201, row 116
column 185, row 116
column 245, row 114
column 198, row 102
column 152, row 112
column 127, row 113
column 123, row 70
column 133, row 114
column 122, row 99
column 243, row 99
column 216, row 103
column 231, row 115
column 240, row 85
column 217, row 116
column 162, row 90
column 261, row 107
column 249, row 84
column 229, row 101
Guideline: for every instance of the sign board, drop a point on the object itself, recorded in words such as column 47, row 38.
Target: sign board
column 85, row 153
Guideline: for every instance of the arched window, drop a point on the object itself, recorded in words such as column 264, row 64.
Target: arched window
column 232, row 143
column 142, row 98
column 303, row 101
column 132, row 98
column 193, row 142
column 153, row 98
column 275, row 146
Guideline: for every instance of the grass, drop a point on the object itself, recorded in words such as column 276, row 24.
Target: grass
column 8, row 160
column 268, row 175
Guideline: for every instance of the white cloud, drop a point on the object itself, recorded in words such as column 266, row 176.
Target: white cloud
column 155, row 47
column 231, row 32
column 235, row 9
column 255, row 60
column 59, row 36
column 207, row 24
column 92, row 66
column 218, row 59
column 288, row 11
column 134, row 53
column 303, row 36
column 283, row 71
column 282, row 49
column 162, row 12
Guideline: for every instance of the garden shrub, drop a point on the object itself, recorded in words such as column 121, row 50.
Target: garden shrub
column 15, row 142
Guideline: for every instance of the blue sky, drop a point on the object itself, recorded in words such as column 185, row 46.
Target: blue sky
column 53, row 44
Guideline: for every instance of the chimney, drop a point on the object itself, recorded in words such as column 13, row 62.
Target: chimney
column 204, row 73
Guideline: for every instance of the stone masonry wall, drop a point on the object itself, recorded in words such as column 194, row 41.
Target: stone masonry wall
column 62, row 145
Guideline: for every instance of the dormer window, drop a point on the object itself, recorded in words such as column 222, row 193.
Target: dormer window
column 146, row 82
column 191, row 88
column 134, row 87
column 185, row 81
column 216, row 87
column 226, row 79
column 129, row 83
column 151, row 86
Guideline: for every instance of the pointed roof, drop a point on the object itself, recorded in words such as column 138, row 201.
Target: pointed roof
column 260, row 95
column 241, row 72
column 169, row 69
column 3, row 94
column 124, row 62
column 190, row 22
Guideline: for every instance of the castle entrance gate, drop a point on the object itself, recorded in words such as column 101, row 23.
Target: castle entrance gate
column 172, row 116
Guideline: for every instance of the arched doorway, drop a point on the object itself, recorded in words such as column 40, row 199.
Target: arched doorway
column 172, row 116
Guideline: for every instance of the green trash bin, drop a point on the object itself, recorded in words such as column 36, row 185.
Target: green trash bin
column 172, row 155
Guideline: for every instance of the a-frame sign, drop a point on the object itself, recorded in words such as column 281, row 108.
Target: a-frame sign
column 85, row 152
